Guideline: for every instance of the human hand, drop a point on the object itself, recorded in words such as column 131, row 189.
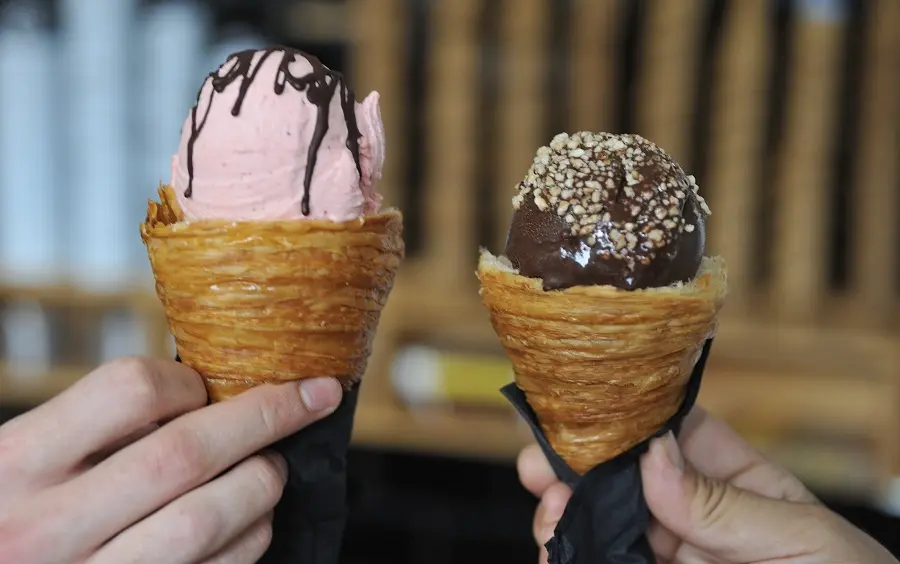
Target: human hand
column 130, row 465
column 715, row 499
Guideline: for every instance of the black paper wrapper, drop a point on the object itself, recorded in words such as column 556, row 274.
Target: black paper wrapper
column 606, row 519
column 310, row 518
column 312, row 514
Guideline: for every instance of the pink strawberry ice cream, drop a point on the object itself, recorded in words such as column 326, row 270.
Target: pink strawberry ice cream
column 276, row 135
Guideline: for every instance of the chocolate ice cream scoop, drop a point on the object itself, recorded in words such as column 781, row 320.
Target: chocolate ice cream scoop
column 606, row 209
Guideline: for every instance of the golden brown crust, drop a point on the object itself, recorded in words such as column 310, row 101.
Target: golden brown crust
column 255, row 302
column 602, row 368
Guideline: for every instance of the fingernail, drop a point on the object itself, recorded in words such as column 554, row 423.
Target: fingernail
column 673, row 451
column 278, row 461
column 320, row 394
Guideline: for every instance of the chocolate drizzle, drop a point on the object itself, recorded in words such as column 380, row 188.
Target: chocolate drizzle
column 320, row 86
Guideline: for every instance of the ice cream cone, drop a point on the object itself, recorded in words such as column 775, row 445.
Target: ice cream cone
column 270, row 301
column 602, row 368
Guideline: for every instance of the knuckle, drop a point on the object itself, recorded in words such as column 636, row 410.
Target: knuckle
column 281, row 413
column 138, row 381
column 194, row 526
column 10, row 449
column 262, row 536
column 268, row 415
column 178, row 457
column 537, row 528
column 20, row 463
column 539, row 524
column 269, row 480
column 712, row 503
column 820, row 518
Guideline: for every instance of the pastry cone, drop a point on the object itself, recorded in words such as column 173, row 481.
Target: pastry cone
column 271, row 301
column 602, row 368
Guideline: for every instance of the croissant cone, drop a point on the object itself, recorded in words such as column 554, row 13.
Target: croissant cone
column 270, row 301
column 602, row 368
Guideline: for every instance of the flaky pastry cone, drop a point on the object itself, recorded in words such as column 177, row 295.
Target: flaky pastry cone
column 270, row 301
column 602, row 368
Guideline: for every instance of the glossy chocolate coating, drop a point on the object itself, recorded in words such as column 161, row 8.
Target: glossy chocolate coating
column 645, row 228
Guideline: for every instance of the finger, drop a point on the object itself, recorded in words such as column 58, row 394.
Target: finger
column 663, row 542
column 717, row 451
column 549, row 512
column 247, row 548
column 111, row 402
column 718, row 517
column 183, row 454
column 535, row 471
column 204, row 520
column 134, row 437
column 689, row 554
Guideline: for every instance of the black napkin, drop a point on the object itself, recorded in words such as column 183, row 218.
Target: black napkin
column 309, row 521
column 311, row 516
column 607, row 517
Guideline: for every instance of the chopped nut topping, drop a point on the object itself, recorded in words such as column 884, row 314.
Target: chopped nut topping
column 590, row 178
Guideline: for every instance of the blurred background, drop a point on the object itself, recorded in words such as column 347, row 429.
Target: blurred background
column 785, row 111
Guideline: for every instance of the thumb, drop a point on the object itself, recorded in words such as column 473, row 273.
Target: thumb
column 721, row 519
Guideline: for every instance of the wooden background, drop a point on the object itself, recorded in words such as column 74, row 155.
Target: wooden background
column 787, row 113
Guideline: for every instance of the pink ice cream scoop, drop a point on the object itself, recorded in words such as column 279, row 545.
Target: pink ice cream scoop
column 277, row 135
